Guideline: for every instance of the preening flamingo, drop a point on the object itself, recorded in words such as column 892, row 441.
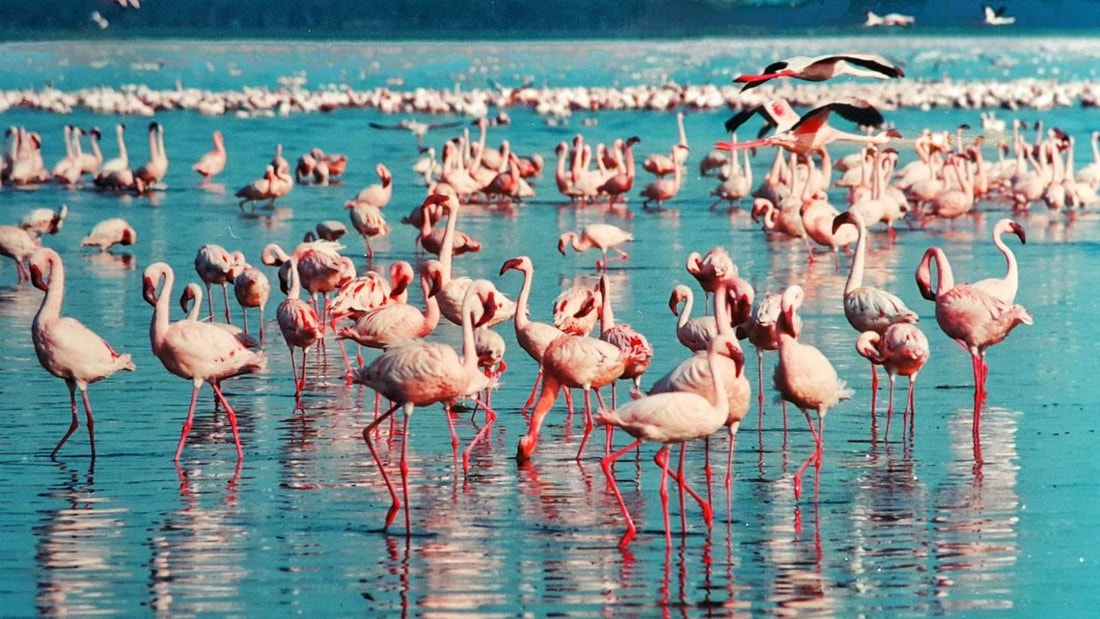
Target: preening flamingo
column 110, row 232
column 901, row 349
column 805, row 377
column 395, row 323
column 694, row 333
column 42, row 221
column 252, row 289
column 64, row 346
column 217, row 265
column 637, row 352
column 195, row 350
column 972, row 317
column 670, row 418
column 600, row 236
column 421, row 373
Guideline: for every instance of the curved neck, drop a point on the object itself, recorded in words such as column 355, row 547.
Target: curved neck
column 431, row 305
column 55, row 291
column 293, row 280
column 196, row 301
column 160, row 321
column 689, row 300
column 945, row 279
column 446, row 253
column 607, row 316
column 859, row 260
column 1012, row 276
column 469, row 348
column 520, row 318
column 722, row 309
column 721, row 400
column 121, row 144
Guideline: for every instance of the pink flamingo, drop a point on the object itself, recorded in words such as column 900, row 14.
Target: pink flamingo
column 821, row 68
column 600, row 236
column 195, row 350
column 368, row 221
column 300, row 326
column 760, row 329
column 576, row 362
column 64, row 346
column 668, row 418
column 421, row 373
column 394, row 323
column 533, row 337
column 868, row 308
column 18, row 244
column 812, row 132
column 252, row 289
column 805, row 377
column 575, row 310
column 621, row 183
column 972, row 317
column 212, row 163
column 379, row 194
column 694, row 333
column 901, row 349
column 637, row 352
column 191, row 302
column 259, row 189
column 663, row 189
column 1004, row 288
column 110, row 232
column 217, row 265
column 43, row 221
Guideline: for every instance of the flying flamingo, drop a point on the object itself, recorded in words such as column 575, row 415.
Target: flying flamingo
column 18, row 244
column 812, row 132
column 901, row 349
column 421, row 373
column 195, row 350
column 972, row 317
column 212, row 163
column 252, row 289
column 217, row 265
column 669, row 418
column 64, row 346
column 805, row 377
column 600, row 236
column 533, row 337
column 299, row 324
column 1004, row 288
column 110, row 232
column 868, row 308
column 821, row 68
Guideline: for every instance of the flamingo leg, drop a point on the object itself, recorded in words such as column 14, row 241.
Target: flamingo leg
column 874, row 387
column 294, row 372
column 911, row 406
column 588, row 423
column 680, row 477
column 534, row 390
column 454, row 434
column 729, row 469
column 549, row 393
column 707, row 472
column 73, row 424
column 302, row 384
column 232, row 419
column 704, row 503
column 225, row 295
column 261, row 325
column 890, row 410
column 605, row 464
column 814, row 457
column 760, row 388
column 209, row 302
column 490, row 417
column 244, row 318
column 661, row 457
column 187, row 424
column 89, row 419
column 396, row 503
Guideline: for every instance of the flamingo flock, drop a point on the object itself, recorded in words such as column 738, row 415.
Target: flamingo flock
column 706, row 392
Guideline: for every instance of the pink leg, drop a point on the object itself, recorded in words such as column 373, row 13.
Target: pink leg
column 225, row 295
column 73, row 424
column 890, row 410
column 531, row 398
column 89, row 419
column 729, row 473
column 874, row 387
column 911, row 406
column 232, row 419
column 680, row 476
column 294, row 373
column 605, row 464
column 707, row 471
column 454, row 434
column 209, row 302
column 662, row 459
column 490, row 417
column 704, row 503
column 588, row 423
column 396, row 503
column 760, row 388
column 187, row 424
column 813, row 457
column 302, row 384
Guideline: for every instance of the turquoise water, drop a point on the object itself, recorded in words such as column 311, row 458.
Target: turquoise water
column 905, row 528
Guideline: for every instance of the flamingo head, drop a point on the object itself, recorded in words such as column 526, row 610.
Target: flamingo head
column 562, row 241
column 401, row 275
column 847, row 217
column 789, row 304
column 38, row 279
column 867, row 346
column 1018, row 230
column 590, row 303
column 521, row 263
column 679, row 293
column 188, row 296
column 383, row 174
column 432, row 273
column 129, row 237
column 489, row 306
column 148, row 285
column 524, row 450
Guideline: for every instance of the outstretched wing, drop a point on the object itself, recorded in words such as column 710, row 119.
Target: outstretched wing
column 873, row 62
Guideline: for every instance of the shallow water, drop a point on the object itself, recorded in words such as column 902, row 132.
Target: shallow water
column 909, row 527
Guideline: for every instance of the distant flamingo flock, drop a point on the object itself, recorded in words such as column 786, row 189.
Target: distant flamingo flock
column 709, row 391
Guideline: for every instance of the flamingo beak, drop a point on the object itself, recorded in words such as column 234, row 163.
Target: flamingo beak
column 37, row 280
column 1018, row 230
column 738, row 357
column 509, row 264
column 840, row 220
column 489, row 305
column 674, row 303
column 561, row 246
column 148, row 289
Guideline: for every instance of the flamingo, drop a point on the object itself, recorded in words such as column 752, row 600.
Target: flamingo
column 901, row 349
column 1004, row 288
column 90, row 162
column 379, row 194
column 821, row 68
column 996, row 16
column 574, row 310
column 663, row 189
column 212, row 163
column 694, row 333
column 972, row 317
column 252, row 289
column 191, row 303
column 868, row 308
column 669, row 418
column 153, row 171
column 394, row 323
column 366, row 293
column 217, row 265
column 368, row 221
column 805, row 377
column 299, row 324
column 18, row 244
column 257, row 190
column 43, row 221
column 64, row 346
column 110, row 232
column 195, row 350
column 421, row 373
column 637, row 352
column 812, row 132
column 760, row 329
column 600, row 236
column 623, row 181
column 533, row 337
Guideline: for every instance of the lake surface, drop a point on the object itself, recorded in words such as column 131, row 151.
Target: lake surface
column 909, row 527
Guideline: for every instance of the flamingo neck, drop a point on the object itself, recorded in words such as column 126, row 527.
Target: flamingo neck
column 722, row 308
column 159, row 325
column 520, row 318
column 855, row 276
column 55, row 292
column 689, row 300
column 431, row 307
column 1012, row 276
column 721, row 399
column 446, row 253
column 294, row 280
column 469, row 348
column 607, row 316
column 196, row 301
